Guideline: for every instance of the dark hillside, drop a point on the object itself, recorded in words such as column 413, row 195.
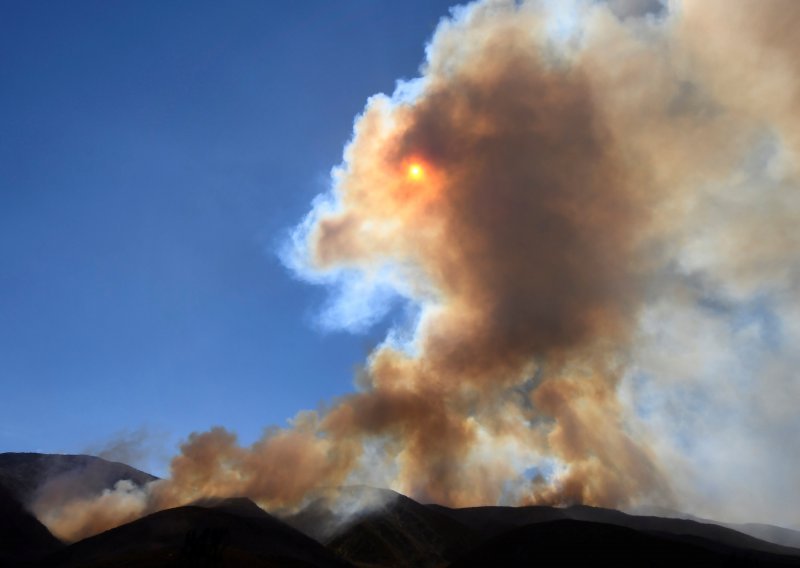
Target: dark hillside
column 22, row 536
column 229, row 533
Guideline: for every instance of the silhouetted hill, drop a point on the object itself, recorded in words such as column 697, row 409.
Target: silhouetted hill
column 396, row 531
column 229, row 532
column 769, row 533
column 356, row 526
column 23, row 474
column 491, row 521
column 22, row 536
column 575, row 543
column 333, row 510
column 401, row 533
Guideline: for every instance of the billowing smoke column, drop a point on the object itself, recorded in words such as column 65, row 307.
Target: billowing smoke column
column 592, row 211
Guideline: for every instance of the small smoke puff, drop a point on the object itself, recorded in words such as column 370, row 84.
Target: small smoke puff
column 76, row 518
column 134, row 447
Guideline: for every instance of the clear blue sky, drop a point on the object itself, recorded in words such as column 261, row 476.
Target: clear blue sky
column 152, row 156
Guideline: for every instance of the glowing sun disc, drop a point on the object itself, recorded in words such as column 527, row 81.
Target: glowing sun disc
column 415, row 172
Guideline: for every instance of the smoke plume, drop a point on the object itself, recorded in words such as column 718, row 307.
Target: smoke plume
column 592, row 211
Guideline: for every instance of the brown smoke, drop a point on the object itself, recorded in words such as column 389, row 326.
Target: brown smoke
column 528, row 235
column 561, row 174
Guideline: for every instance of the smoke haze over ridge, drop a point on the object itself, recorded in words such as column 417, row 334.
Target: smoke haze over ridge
column 601, row 261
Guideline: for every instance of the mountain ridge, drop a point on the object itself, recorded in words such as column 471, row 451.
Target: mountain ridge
column 357, row 526
column 26, row 474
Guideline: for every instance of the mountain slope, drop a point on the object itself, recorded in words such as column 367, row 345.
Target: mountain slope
column 25, row 474
column 22, row 536
column 229, row 533
column 769, row 533
column 402, row 533
column 355, row 526
column 492, row 521
column 570, row 542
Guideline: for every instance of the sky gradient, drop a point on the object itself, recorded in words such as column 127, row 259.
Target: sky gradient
column 153, row 157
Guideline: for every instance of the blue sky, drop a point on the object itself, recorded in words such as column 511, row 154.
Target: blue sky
column 152, row 157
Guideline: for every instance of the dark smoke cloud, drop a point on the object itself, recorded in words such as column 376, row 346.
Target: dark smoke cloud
column 529, row 231
column 584, row 167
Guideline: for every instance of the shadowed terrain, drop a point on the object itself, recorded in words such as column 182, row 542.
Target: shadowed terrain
column 22, row 536
column 231, row 532
column 769, row 533
column 401, row 533
column 24, row 474
column 571, row 542
column 363, row 527
column 389, row 530
column 491, row 521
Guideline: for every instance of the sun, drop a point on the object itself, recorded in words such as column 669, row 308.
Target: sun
column 415, row 171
